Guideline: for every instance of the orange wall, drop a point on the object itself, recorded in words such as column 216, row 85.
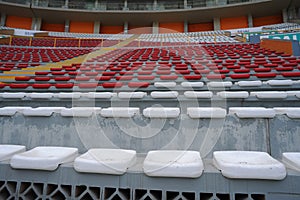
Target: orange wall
column 278, row 45
column 171, row 27
column 81, row 27
column 201, row 27
column 234, row 22
column 139, row 30
column 111, row 29
column 53, row 27
column 18, row 22
column 261, row 21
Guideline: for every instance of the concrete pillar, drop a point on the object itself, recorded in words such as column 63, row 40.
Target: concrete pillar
column 66, row 3
column 155, row 28
column 217, row 24
column 96, row 4
column 284, row 15
column 36, row 24
column 250, row 21
column 125, row 5
column 3, row 19
column 186, row 26
column 97, row 27
column 67, row 25
column 125, row 27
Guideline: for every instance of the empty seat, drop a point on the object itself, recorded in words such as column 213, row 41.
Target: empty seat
column 229, row 95
column 252, row 112
column 132, row 95
column 173, row 163
column 119, row 112
column 36, row 95
column 41, row 111
column 43, row 158
column 8, row 150
column 69, row 95
column 79, row 111
column 105, row 161
column 269, row 95
column 196, row 95
column 160, row 112
column 192, row 84
column 206, row 112
column 291, row 160
column 280, row 82
column 249, row 83
column 219, row 84
column 248, row 165
column 165, row 84
column 100, row 95
column 10, row 110
column 291, row 112
column 15, row 95
column 170, row 94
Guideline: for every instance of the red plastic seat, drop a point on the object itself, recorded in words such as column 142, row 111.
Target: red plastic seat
column 62, row 78
column 144, row 72
column 271, row 65
column 22, row 78
column 146, row 77
column 265, row 75
column 284, row 68
column 2, row 85
column 204, row 71
column 109, row 73
column 183, row 71
column 64, row 85
column 58, row 73
column 192, row 77
column 112, row 85
column 42, row 78
column 290, row 74
column 91, row 73
column 251, row 66
column 215, row 76
column 18, row 85
column 124, row 78
column 87, row 85
column 102, row 78
column 41, row 73
column 265, row 69
column 82, row 78
column 55, row 69
column 170, row 77
column 163, row 72
column 239, row 76
column 138, row 84
column 241, row 70
column 41, row 85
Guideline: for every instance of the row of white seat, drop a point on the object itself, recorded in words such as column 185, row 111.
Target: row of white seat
column 154, row 112
column 158, row 163
column 154, row 95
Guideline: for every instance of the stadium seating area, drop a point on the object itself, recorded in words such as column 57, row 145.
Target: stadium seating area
column 150, row 116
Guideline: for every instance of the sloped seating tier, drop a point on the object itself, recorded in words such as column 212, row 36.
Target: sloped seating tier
column 167, row 67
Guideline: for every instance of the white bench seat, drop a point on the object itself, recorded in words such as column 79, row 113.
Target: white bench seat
column 43, row 158
column 80, row 111
column 8, row 150
column 122, row 112
column 165, row 95
column 248, row 165
column 173, row 163
column 198, row 95
column 159, row 112
column 252, row 112
column 233, row 95
column 105, row 161
column 206, row 112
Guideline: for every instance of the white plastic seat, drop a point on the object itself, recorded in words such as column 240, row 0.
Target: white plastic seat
column 291, row 160
column 8, row 150
column 287, row 82
column 196, row 95
column 13, row 95
column 291, row 112
column 36, row 95
column 269, row 95
column 233, row 95
column 123, row 112
column 43, row 158
column 219, row 84
column 252, row 112
column 69, row 95
column 10, row 110
column 160, row 112
column 248, row 165
column 100, row 95
column 249, row 83
column 192, row 84
column 206, row 112
column 168, row 95
column 165, row 84
column 79, row 111
column 173, row 163
column 38, row 112
column 105, row 161
column 131, row 95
